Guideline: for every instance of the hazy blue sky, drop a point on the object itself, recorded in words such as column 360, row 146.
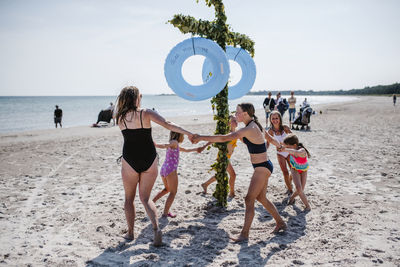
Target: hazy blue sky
column 96, row 47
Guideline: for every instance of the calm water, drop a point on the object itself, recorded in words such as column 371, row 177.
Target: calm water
column 33, row 113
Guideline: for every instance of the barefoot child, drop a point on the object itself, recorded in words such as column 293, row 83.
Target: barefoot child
column 299, row 166
column 168, row 171
column 229, row 169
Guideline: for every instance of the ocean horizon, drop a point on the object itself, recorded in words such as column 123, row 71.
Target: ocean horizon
column 24, row 113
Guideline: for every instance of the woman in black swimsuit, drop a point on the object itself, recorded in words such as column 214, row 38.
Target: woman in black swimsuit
column 139, row 157
column 252, row 135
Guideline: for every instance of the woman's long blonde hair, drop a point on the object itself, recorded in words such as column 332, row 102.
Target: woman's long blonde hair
column 126, row 102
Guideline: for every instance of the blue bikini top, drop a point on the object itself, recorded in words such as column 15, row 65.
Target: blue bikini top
column 254, row 148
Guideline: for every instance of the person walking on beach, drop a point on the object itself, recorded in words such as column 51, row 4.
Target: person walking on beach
column 292, row 108
column 58, row 116
column 169, row 170
column 139, row 156
column 232, row 174
column 394, row 99
column 299, row 166
column 253, row 136
column 269, row 105
column 279, row 131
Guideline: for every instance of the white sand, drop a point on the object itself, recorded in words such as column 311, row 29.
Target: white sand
column 61, row 199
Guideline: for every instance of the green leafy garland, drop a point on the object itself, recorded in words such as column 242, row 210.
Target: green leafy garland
column 220, row 32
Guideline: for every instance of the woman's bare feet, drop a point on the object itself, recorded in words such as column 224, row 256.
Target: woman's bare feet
column 280, row 226
column 204, row 188
column 169, row 214
column 239, row 239
column 157, row 238
column 128, row 236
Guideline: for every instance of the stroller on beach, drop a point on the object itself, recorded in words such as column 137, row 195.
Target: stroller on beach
column 303, row 118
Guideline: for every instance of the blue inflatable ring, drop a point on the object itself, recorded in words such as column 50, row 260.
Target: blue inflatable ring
column 218, row 64
column 247, row 65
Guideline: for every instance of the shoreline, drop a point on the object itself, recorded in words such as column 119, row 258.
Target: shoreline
column 51, row 126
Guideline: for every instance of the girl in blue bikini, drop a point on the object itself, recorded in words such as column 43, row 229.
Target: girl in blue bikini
column 253, row 136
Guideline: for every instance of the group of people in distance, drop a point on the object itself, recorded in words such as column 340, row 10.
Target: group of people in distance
column 270, row 104
column 140, row 163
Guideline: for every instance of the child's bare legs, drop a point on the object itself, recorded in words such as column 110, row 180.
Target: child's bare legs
column 300, row 182
column 162, row 192
column 232, row 178
column 206, row 184
column 172, row 187
column 283, row 164
column 146, row 183
column 258, row 186
column 130, row 179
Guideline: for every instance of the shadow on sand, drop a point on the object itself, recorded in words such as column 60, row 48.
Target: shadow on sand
column 206, row 242
column 296, row 229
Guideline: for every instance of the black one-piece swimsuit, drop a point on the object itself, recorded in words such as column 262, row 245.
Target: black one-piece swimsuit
column 138, row 150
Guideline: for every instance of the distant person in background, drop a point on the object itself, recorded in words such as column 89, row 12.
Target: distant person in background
column 292, row 108
column 278, row 100
column 281, row 104
column 58, row 116
column 394, row 100
column 269, row 105
column 305, row 103
column 111, row 107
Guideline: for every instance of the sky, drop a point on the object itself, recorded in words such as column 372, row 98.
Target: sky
column 96, row 47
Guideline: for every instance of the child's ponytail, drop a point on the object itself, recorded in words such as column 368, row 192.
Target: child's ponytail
column 308, row 153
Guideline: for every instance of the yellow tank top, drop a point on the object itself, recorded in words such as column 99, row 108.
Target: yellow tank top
column 234, row 144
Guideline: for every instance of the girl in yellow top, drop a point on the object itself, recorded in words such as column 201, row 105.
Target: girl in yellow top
column 232, row 175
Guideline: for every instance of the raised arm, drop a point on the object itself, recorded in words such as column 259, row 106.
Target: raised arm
column 220, row 138
column 188, row 149
column 172, row 144
column 154, row 116
column 201, row 148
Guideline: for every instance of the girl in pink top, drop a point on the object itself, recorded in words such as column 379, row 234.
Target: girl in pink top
column 299, row 166
column 168, row 171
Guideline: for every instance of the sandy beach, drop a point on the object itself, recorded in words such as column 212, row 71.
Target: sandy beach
column 61, row 198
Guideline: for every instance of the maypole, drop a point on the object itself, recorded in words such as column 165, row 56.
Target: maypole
column 219, row 32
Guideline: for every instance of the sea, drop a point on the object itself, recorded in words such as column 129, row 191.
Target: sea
column 25, row 113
